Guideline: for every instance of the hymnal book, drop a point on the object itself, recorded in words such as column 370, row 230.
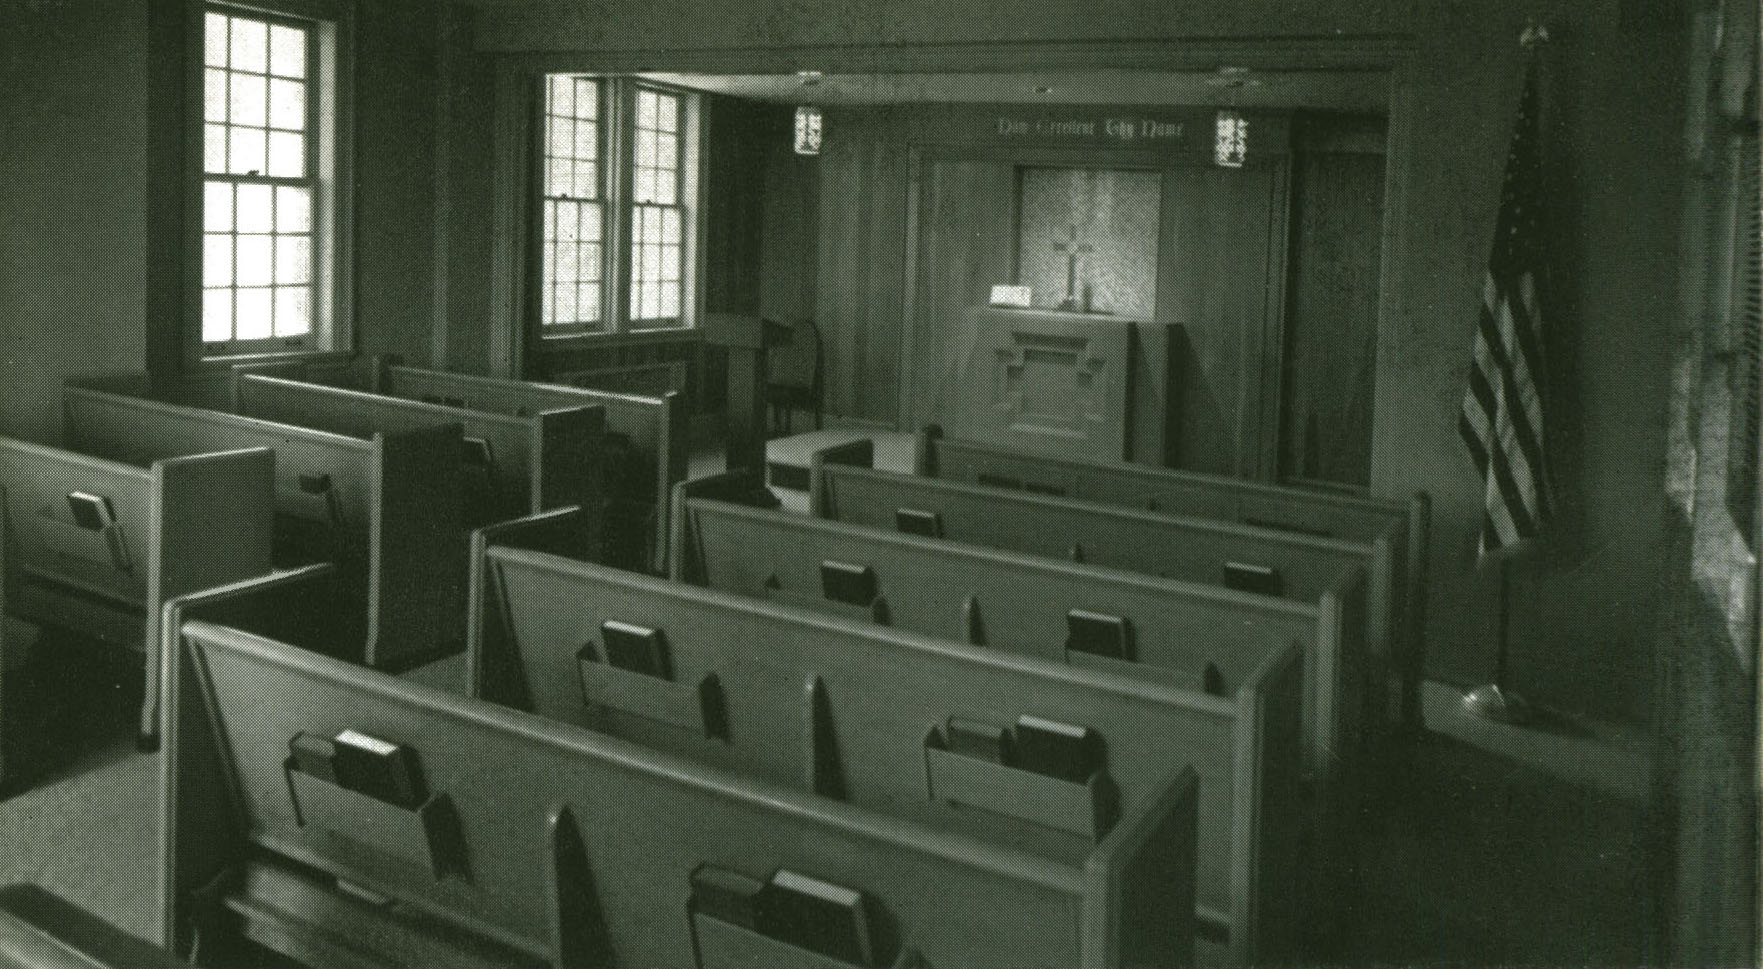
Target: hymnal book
column 972, row 738
column 314, row 756
column 728, row 895
column 380, row 769
column 1061, row 750
column 847, row 583
column 91, row 512
column 819, row 916
column 636, row 648
column 1246, row 577
column 1098, row 634
column 912, row 521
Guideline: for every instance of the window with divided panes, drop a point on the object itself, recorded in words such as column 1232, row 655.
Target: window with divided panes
column 260, row 205
column 657, row 217
column 616, row 193
column 574, row 216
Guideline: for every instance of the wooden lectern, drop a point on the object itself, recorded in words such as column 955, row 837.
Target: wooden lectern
column 746, row 338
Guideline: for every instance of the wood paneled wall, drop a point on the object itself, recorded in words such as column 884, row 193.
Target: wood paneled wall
column 860, row 292
column 1331, row 321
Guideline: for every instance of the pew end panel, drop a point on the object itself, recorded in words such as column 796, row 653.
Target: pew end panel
column 655, row 822
column 198, row 834
column 567, row 442
column 1142, row 883
column 1268, row 843
column 418, row 571
column 685, row 555
column 859, row 453
column 488, row 670
column 214, row 521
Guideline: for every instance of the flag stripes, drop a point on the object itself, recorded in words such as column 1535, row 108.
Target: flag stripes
column 1502, row 415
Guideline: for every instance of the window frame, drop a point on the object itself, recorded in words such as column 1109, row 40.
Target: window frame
column 329, row 151
column 618, row 95
column 602, row 200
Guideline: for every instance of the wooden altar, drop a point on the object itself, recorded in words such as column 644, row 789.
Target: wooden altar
column 1085, row 385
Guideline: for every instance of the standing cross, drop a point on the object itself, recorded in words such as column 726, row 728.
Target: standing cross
column 1072, row 250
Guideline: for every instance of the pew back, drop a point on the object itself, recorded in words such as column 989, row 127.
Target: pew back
column 98, row 546
column 653, row 428
column 1405, row 526
column 519, row 464
column 384, row 509
column 561, row 844
column 1296, row 567
column 1143, row 626
column 855, row 711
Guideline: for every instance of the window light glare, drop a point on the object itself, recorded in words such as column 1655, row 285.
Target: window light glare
column 808, row 130
column 1231, row 143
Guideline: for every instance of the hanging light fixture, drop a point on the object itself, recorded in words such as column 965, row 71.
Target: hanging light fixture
column 808, row 130
column 1230, row 145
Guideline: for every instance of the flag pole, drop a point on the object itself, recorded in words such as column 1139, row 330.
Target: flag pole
column 1493, row 701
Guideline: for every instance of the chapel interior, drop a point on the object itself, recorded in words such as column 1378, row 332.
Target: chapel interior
column 1245, row 241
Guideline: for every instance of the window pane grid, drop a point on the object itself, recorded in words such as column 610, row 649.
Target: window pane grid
column 573, row 259
column 258, row 261
column 256, row 97
column 573, row 213
column 259, row 270
column 656, row 256
column 572, row 138
column 655, row 163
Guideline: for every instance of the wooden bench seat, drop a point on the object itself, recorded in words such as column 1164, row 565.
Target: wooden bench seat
column 1282, row 564
column 528, row 842
column 1144, row 626
column 97, row 546
column 649, row 457
column 513, row 465
column 863, row 713
column 1405, row 524
column 384, row 508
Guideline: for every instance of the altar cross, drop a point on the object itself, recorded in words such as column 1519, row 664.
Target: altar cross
column 1072, row 250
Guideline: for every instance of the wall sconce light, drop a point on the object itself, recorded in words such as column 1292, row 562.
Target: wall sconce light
column 808, row 130
column 1231, row 145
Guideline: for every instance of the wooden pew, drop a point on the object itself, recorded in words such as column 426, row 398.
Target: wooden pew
column 863, row 713
column 518, row 841
column 1301, row 568
column 39, row 930
column 98, row 546
column 1070, row 612
column 1406, row 525
column 651, row 433
column 385, row 508
column 518, row 464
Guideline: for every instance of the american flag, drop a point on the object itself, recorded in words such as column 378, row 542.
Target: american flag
column 1502, row 419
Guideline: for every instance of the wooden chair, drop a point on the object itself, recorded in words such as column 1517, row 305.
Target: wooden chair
column 793, row 380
